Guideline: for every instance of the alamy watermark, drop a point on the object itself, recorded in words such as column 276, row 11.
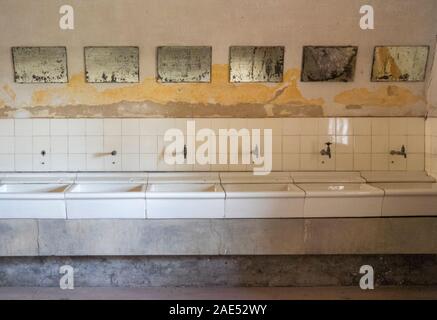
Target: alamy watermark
column 206, row 147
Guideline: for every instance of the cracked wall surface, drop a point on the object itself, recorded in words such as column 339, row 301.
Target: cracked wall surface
column 195, row 22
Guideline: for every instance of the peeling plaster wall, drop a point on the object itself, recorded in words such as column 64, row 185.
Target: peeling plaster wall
column 220, row 24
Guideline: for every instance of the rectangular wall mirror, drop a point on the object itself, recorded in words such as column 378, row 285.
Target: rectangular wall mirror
column 40, row 64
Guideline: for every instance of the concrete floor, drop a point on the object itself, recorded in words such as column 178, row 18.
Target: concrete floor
column 212, row 293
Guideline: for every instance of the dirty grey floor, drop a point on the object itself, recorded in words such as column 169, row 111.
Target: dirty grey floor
column 234, row 293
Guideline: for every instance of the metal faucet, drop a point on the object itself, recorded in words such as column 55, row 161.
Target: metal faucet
column 402, row 152
column 327, row 151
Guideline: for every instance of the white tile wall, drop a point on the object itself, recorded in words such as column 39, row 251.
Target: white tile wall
column 86, row 144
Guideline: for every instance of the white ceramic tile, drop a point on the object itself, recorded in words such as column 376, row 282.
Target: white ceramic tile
column 6, row 127
column 309, row 144
column 76, row 162
column 94, row 144
column 397, row 163
column 59, row 144
column 7, row 145
column 274, row 124
column 154, row 126
column 290, row 144
column 41, row 144
column 362, row 144
column 76, row 144
column 380, row 162
column 113, row 163
column 344, row 144
column 344, row 127
column 112, row 143
column 59, row 162
column 237, row 123
column 326, row 164
column 326, row 126
column 322, row 144
column 148, row 144
column 433, row 122
column 200, row 123
column 380, row 126
column 23, row 162
column 396, row 142
column 58, row 127
column 23, row 127
column 41, row 163
column 130, row 127
column 95, row 162
column 416, row 144
column 291, row 126
column 112, row 127
column 309, row 161
column 363, row 162
column 76, row 127
column 130, row 162
column 130, row 144
column 148, row 162
column 290, row 162
column 23, row 145
column 94, row 127
column 41, row 127
column 380, row 144
column 7, row 162
column 344, row 162
column 416, row 126
column 398, row 126
column 216, row 124
column 309, row 126
column 362, row 126
column 416, row 162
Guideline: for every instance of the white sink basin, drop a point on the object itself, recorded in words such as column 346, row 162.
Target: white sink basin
column 189, row 200
column 327, row 177
column 249, row 177
column 409, row 199
column 342, row 200
column 183, row 177
column 106, row 200
column 263, row 200
column 111, row 177
column 397, row 176
column 39, row 177
column 32, row 201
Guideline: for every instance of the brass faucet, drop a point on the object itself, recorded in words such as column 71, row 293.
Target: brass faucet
column 327, row 151
column 402, row 152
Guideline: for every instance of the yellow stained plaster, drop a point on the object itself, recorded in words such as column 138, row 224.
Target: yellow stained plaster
column 387, row 96
column 219, row 92
column 10, row 92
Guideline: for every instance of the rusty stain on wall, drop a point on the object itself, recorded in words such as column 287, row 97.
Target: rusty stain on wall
column 216, row 99
column 387, row 96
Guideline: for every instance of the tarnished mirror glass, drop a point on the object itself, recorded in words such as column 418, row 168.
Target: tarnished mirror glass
column 333, row 64
column 111, row 64
column 256, row 64
column 184, row 64
column 399, row 63
column 40, row 64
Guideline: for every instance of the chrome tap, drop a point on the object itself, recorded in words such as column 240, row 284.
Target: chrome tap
column 327, row 151
column 402, row 152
